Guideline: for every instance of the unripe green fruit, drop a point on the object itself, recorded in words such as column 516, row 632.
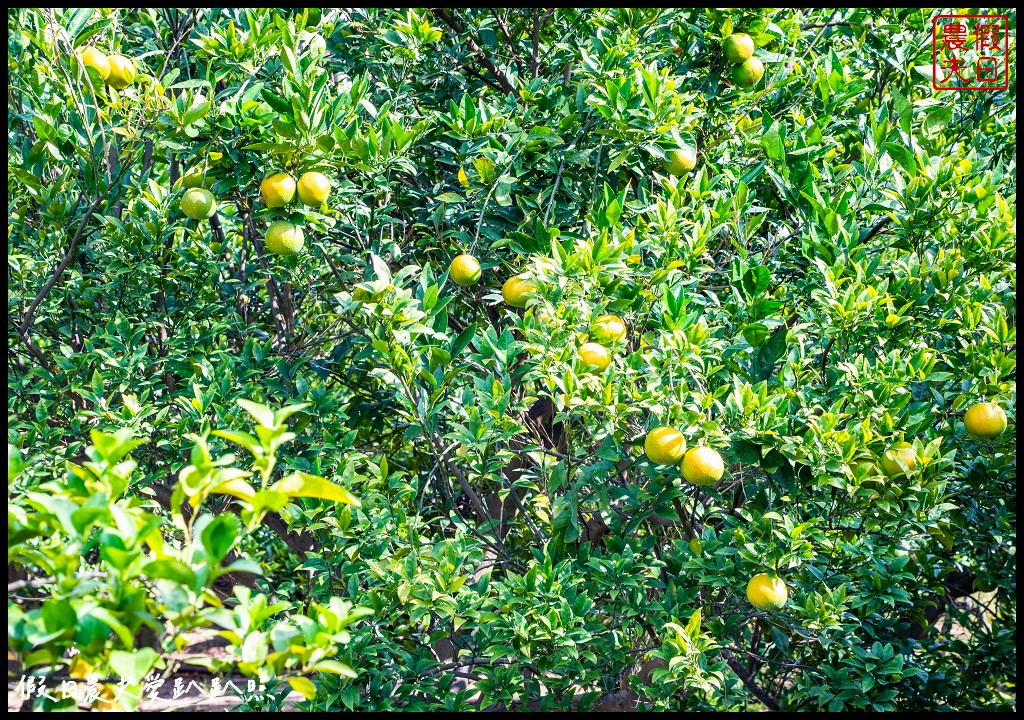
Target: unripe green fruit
column 196, row 179
column 680, row 161
column 665, row 445
column 608, row 329
column 464, row 270
column 198, row 204
column 595, row 357
column 985, row 420
column 516, row 291
column 905, row 452
column 766, row 592
column 284, row 238
column 738, row 47
column 749, row 73
column 277, row 190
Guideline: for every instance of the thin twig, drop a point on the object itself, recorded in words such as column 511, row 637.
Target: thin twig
column 516, row 57
column 451, row 21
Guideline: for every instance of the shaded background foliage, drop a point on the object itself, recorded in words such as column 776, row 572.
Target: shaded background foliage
column 827, row 281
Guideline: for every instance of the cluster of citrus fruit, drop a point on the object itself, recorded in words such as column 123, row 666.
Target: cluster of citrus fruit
column 117, row 71
column 699, row 465
column 703, row 465
column 605, row 332
column 739, row 50
column 983, row 421
column 277, row 191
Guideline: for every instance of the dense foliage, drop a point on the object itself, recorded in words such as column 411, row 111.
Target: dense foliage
column 437, row 503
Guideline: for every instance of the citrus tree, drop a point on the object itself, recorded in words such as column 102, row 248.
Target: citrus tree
column 624, row 358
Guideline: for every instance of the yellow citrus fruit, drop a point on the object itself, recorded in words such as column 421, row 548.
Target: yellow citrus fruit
column 767, row 593
column 985, row 420
column 516, row 291
column 277, row 189
column 594, row 355
column 747, row 74
column 680, row 161
column 465, row 270
column 314, row 187
column 608, row 329
column 284, row 238
column 703, row 466
column 738, row 47
column 665, row 445
column 91, row 57
column 905, row 452
column 198, row 203
column 122, row 72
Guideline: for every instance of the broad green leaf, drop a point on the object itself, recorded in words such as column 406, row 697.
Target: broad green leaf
column 263, row 415
column 133, row 666
column 300, row 484
column 303, row 686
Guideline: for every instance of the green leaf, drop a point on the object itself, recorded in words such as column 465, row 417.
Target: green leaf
column 250, row 443
column 286, row 412
column 300, row 484
column 746, row 452
column 303, row 686
column 335, row 668
column 170, row 569
column 901, row 155
column 107, row 618
column 195, row 113
column 218, row 536
column 15, row 464
column 276, row 101
column 244, row 565
column 773, row 142
column 76, row 22
column 133, row 666
column 755, row 281
column 58, row 615
column 936, row 120
column 236, row 487
column 755, row 333
column 263, row 415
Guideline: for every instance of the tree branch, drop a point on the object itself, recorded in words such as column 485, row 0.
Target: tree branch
column 454, row 23
column 516, row 57
column 534, row 56
column 824, row 359
column 27, row 320
column 877, row 228
column 749, row 682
